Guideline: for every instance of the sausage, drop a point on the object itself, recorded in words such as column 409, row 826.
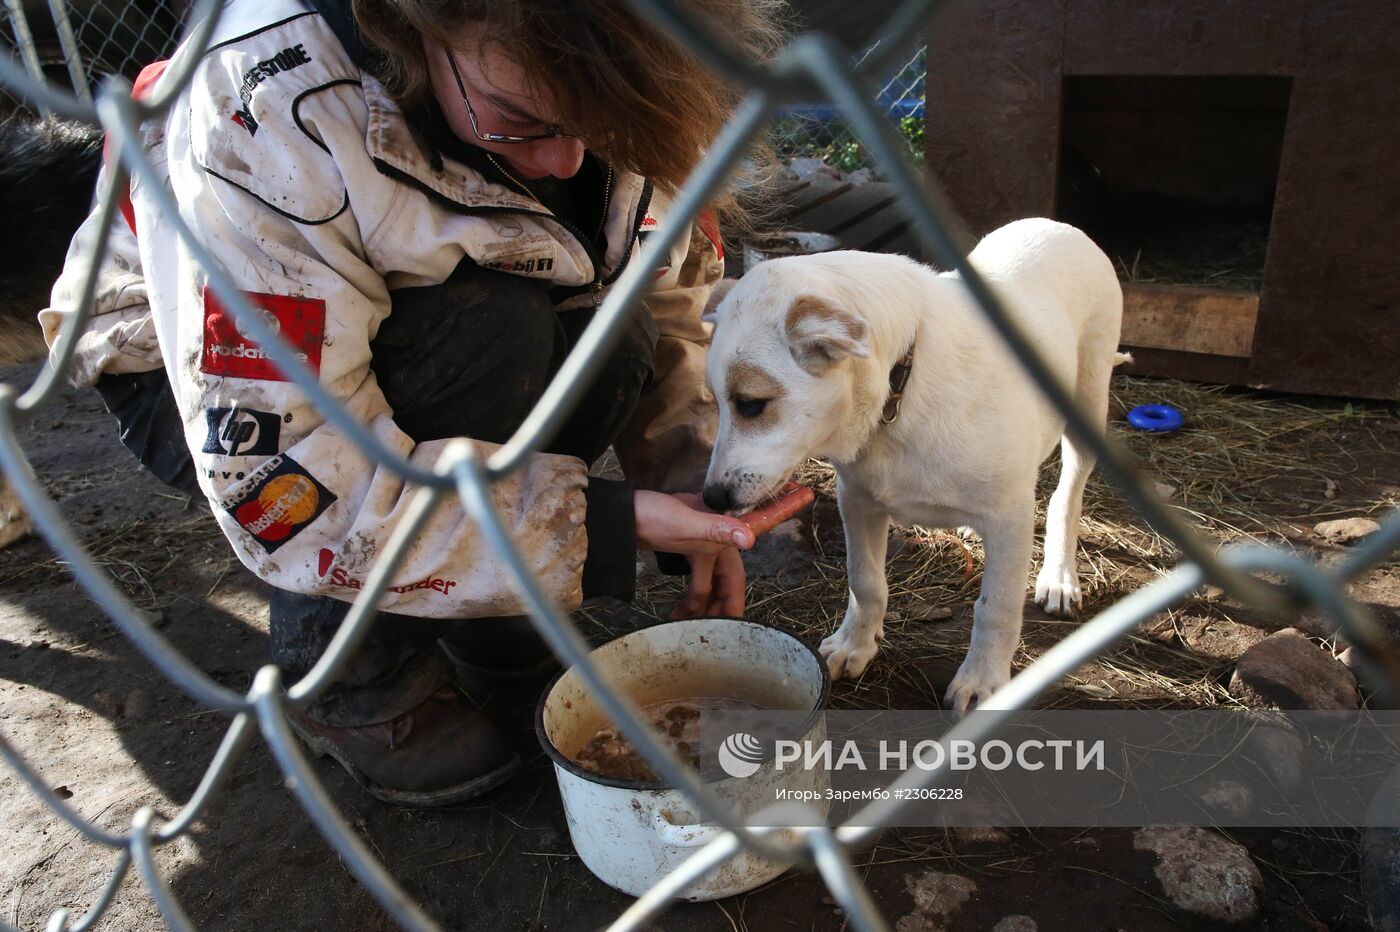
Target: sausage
column 794, row 498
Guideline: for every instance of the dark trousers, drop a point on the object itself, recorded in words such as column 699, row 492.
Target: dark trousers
column 467, row 358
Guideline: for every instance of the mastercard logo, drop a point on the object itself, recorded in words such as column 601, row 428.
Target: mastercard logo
column 281, row 505
column 286, row 500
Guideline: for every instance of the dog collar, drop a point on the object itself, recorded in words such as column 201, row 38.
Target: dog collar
column 899, row 377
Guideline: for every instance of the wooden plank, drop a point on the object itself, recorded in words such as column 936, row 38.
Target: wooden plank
column 1193, row 367
column 994, row 97
column 809, row 195
column 1188, row 37
column 1331, row 319
column 1212, row 321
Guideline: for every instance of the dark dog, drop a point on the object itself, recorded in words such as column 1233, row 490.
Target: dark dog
column 48, row 169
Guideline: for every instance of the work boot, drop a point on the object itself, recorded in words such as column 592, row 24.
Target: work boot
column 437, row 753
column 506, row 651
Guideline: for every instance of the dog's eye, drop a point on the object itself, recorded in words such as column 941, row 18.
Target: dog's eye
column 750, row 407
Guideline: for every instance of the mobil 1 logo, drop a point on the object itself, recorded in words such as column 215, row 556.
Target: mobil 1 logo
column 242, row 432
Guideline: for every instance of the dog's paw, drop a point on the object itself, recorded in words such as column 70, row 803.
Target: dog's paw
column 1057, row 589
column 973, row 685
column 848, row 655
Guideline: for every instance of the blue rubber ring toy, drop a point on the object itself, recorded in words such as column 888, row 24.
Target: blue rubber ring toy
column 1159, row 419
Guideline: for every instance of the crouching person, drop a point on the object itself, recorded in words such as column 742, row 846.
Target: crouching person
column 428, row 202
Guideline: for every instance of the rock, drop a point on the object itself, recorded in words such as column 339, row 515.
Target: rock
column 1288, row 671
column 1016, row 924
column 1380, row 877
column 1218, row 637
column 1316, row 625
column 940, row 614
column 1380, row 857
column 861, row 176
column 971, row 835
column 1164, row 490
column 14, row 520
column 1380, row 694
column 808, row 168
column 1203, row 873
column 1276, row 754
column 1346, row 530
column 938, row 895
column 1227, row 801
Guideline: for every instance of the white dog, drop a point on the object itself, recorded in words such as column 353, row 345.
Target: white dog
column 808, row 359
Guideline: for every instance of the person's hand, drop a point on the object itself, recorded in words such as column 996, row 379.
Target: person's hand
column 681, row 523
column 716, row 586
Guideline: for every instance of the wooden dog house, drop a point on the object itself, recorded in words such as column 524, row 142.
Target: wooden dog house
column 1255, row 144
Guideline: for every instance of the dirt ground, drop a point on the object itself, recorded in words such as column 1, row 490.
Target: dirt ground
column 98, row 722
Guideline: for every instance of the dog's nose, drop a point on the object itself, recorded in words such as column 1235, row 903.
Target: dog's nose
column 718, row 497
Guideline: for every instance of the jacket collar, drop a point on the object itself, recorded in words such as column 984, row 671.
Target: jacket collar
column 338, row 16
column 398, row 152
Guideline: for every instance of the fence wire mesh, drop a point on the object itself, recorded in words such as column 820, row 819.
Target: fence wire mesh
column 819, row 131
column 813, row 66
column 77, row 43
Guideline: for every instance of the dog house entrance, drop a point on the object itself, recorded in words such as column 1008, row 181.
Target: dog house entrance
column 1174, row 177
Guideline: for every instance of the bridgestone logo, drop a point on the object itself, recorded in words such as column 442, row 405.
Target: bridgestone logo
column 285, row 60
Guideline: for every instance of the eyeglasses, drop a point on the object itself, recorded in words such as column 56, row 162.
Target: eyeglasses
column 552, row 131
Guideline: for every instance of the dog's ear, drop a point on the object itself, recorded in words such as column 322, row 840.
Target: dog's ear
column 821, row 334
column 717, row 292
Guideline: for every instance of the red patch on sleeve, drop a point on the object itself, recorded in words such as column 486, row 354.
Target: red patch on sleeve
column 299, row 321
column 709, row 225
column 139, row 89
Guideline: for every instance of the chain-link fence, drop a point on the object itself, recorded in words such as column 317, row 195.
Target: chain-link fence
column 76, row 43
column 819, row 130
column 813, row 66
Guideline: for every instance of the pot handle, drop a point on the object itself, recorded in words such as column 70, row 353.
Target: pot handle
column 683, row 836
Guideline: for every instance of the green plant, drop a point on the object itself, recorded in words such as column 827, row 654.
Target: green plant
column 834, row 142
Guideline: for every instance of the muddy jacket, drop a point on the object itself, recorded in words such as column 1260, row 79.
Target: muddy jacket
column 300, row 174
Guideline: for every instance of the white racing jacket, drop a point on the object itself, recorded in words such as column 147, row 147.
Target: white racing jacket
column 300, row 174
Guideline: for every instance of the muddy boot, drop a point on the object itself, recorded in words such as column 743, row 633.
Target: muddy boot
column 392, row 717
column 506, row 651
column 437, row 753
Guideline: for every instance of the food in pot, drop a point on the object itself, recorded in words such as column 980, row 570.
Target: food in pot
column 677, row 722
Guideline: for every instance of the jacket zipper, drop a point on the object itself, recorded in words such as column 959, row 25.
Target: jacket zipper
column 597, row 283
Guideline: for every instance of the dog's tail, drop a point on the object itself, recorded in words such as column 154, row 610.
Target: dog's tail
column 1122, row 359
column 48, row 169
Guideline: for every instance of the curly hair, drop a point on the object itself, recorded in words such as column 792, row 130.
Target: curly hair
column 637, row 99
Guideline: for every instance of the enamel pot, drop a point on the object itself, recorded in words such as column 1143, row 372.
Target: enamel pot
column 631, row 833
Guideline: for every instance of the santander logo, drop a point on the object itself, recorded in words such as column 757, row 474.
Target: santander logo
column 342, row 579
